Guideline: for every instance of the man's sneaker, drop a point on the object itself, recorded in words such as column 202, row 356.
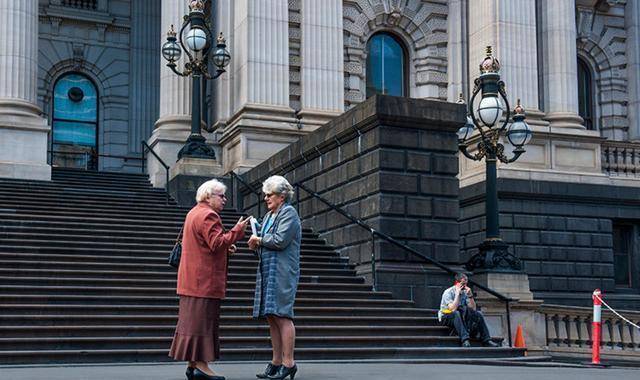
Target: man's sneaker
column 490, row 343
column 465, row 343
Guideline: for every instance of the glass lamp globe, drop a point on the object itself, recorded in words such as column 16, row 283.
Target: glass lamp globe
column 519, row 132
column 196, row 39
column 221, row 57
column 490, row 110
column 466, row 130
column 171, row 51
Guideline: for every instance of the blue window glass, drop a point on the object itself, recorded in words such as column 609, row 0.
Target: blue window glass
column 75, row 122
column 385, row 66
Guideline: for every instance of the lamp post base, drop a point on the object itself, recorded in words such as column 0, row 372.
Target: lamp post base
column 196, row 147
column 494, row 256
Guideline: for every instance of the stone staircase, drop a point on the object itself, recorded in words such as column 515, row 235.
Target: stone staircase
column 84, row 278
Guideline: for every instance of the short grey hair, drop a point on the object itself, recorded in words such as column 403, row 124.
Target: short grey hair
column 278, row 185
column 207, row 189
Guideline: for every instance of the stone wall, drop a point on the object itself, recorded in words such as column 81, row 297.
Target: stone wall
column 561, row 231
column 391, row 162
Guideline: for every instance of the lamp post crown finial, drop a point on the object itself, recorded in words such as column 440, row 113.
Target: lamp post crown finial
column 171, row 32
column 518, row 110
column 490, row 64
column 221, row 39
column 196, row 6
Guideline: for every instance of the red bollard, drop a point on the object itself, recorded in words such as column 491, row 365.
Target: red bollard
column 595, row 327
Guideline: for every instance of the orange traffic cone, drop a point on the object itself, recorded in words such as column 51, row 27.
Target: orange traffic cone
column 519, row 341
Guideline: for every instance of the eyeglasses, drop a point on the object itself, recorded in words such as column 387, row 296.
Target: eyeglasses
column 222, row 196
column 269, row 195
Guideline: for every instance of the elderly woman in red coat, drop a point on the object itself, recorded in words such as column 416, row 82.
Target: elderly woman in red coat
column 202, row 281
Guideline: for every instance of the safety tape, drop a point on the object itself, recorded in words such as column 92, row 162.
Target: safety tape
column 616, row 313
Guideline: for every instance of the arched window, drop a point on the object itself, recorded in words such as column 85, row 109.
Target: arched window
column 585, row 94
column 386, row 61
column 74, row 123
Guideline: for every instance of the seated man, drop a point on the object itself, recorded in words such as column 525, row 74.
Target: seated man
column 458, row 311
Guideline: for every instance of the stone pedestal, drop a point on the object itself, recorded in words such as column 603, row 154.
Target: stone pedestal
column 23, row 132
column 523, row 311
column 188, row 174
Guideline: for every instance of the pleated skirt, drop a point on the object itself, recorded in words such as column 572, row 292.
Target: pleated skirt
column 196, row 337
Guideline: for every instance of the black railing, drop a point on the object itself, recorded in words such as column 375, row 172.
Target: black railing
column 145, row 147
column 391, row 240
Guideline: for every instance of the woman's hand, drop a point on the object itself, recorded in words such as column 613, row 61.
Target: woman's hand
column 242, row 223
column 232, row 249
column 254, row 242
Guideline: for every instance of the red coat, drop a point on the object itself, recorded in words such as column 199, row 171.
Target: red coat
column 203, row 265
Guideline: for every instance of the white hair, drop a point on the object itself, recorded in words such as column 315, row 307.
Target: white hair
column 209, row 188
column 278, row 185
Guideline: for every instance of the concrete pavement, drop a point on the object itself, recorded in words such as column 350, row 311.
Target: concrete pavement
column 324, row 371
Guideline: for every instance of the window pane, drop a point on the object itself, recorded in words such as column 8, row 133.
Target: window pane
column 622, row 254
column 385, row 66
column 74, row 133
column 75, row 98
column 585, row 94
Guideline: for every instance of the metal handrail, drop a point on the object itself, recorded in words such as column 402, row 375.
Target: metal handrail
column 416, row 253
column 393, row 241
column 166, row 167
column 236, row 177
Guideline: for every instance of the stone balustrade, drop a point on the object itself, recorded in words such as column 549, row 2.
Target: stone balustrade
column 621, row 159
column 570, row 327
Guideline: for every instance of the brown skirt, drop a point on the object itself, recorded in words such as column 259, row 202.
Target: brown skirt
column 196, row 337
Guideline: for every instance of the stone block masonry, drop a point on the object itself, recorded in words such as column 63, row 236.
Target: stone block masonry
column 393, row 163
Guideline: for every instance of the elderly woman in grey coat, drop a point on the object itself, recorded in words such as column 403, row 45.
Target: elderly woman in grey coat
column 277, row 277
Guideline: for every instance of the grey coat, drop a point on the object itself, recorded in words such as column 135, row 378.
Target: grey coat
column 279, row 268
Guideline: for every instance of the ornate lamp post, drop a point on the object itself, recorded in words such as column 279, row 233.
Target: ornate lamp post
column 198, row 48
column 494, row 254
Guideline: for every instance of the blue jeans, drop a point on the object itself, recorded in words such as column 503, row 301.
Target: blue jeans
column 467, row 323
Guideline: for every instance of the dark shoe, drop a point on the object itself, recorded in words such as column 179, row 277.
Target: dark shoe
column 490, row 343
column 465, row 343
column 189, row 373
column 271, row 370
column 199, row 375
column 283, row 372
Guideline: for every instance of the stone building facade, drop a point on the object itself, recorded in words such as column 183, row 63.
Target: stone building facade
column 82, row 83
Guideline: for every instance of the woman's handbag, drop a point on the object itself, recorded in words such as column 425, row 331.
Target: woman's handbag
column 176, row 252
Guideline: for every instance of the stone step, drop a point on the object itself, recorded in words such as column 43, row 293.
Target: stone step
column 234, row 287
column 239, row 259
column 248, row 342
column 238, row 280
column 236, row 267
column 225, row 330
column 145, row 318
column 344, row 306
column 171, row 310
column 124, row 256
column 109, row 224
column 327, row 352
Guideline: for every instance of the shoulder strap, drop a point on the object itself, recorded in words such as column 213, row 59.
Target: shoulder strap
column 179, row 237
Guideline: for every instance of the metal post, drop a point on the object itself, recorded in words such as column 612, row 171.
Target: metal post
column 373, row 259
column 142, row 156
column 493, row 229
column 509, row 322
column 166, row 184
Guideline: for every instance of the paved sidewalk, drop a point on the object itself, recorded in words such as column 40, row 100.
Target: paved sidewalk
column 323, row 371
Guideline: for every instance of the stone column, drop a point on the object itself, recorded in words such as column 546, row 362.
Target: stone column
column 23, row 132
column 262, row 122
column 632, row 25
column 509, row 26
column 322, row 70
column 174, row 123
column 457, row 50
column 560, row 67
